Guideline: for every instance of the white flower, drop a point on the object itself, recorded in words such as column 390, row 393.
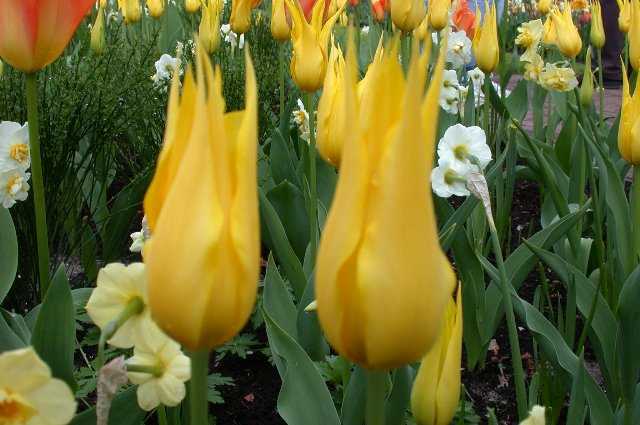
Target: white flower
column 536, row 416
column 477, row 79
column 449, row 100
column 14, row 146
column 172, row 369
column 179, row 49
column 165, row 67
column 460, row 144
column 458, row 49
column 365, row 30
column 13, row 186
column 231, row 37
column 449, row 179
column 138, row 239
column 301, row 118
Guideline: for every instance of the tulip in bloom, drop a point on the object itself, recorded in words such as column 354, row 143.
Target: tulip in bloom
column 156, row 8
column 209, row 30
column 624, row 18
column 544, row 6
column 549, row 37
column 629, row 130
column 407, row 14
column 382, row 280
column 192, row 6
column 33, row 33
column 171, row 369
column 439, row 14
column 98, row 39
column 485, row 42
column 567, row 36
column 28, row 392
column 597, row 29
column 203, row 260
column 634, row 35
column 379, row 9
column 464, row 19
column 280, row 27
column 436, row 389
column 241, row 15
column 131, row 10
column 310, row 39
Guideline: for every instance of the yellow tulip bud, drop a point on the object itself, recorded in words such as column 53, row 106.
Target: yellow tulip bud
column 567, row 37
column 382, row 280
column 597, row 29
column 586, row 89
column 331, row 117
column 485, row 40
column 634, row 35
column 629, row 129
column 209, row 30
column 544, row 6
column 241, row 15
column 624, row 18
column 422, row 32
column 309, row 60
column 407, row 14
column 436, row 389
column 280, row 28
column 192, row 6
column 156, row 8
column 98, row 39
column 203, row 261
column 103, row 3
column 439, row 14
column 131, row 10
column 549, row 34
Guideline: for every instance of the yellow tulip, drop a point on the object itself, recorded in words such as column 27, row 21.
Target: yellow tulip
column 203, row 261
column 423, row 31
column 330, row 115
column 634, row 35
column 192, row 6
column 98, row 39
column 436, row 389
column 544, row 6
column 382, row 280
column 103, row 3
column 485, row 40
column 131, row 10
column 597, row 29
column 567, row 37
column 549, row 34
column 586, row 88
column 629, row 129
column 309, row 60
column 280, row 28
column 156, row 8
column 209, row 30
column 241, row 15
column 407, row 14
column 624, row 18
column 439, row 14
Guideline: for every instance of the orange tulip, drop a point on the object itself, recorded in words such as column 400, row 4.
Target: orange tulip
column 464, row 18
column 33, row 33
column 379, row 9
column 307, row 7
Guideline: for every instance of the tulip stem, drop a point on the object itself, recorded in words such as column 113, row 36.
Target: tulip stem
column 601, row 85
column 376, row 395
column 313, row 181
column 635, row 208
column 281, row 70
column 162, row 415
column 40, row 209
column 514, row 343
column 198, row 387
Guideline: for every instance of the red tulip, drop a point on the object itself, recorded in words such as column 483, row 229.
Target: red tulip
column 378, row 8
column 33, row 33
column 464, row 19
column 307, row 7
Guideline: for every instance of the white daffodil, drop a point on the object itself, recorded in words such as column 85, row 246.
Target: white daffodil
column 301, row 118
column 160, row 369
column 449, row 100
column 13, row 186
column 138, row 239
column 231, row 37
column 121, row 294
column 14, row 146
column 476, row 76
column 365, row 30
column 449, row 178
column 165, row 67
column 536, row 416
column 458, row 49
column 29, row 394
column 464, row 146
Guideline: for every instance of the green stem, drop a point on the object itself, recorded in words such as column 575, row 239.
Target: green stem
column 487, row 107
column 134, row 307
column 162, row 415
column 376, row 395
column 37, row 182
column 198, row 386
column 281, row 58
column 405, row 50
column 313, row 181
column 150, row 370
column 514, row 343
column 635, row 208
column 601, row 85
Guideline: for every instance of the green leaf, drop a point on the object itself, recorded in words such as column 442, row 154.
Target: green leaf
column 276, row 300
column 629, row 343
column 398, row 401
column 18, row 325
column 124, row 411
column 354, row 400
column 9, row 340
column 564, row 142
column 214, row 381
column 575, row 415
column 54, row 333
column 8, row 253
column 517, row 102
column 304, row 398
column 288, row 202
column 310, row 334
